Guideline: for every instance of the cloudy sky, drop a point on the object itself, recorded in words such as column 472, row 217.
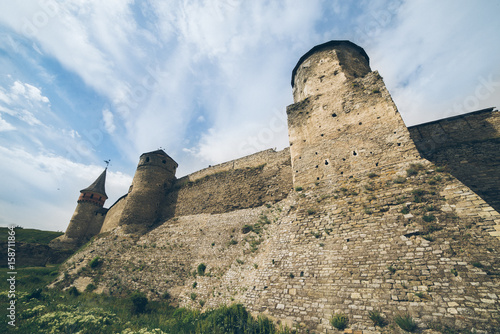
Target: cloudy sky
column 206, row 80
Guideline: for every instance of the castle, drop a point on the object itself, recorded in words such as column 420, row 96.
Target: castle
column 360, row 213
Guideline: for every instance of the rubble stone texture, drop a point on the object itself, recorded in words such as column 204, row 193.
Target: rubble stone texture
column 360, row 214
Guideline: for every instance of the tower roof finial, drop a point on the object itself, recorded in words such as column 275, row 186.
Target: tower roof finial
column 98, row 185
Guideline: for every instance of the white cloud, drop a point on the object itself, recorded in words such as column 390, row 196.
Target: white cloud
column 108, row 118
column 5, row 126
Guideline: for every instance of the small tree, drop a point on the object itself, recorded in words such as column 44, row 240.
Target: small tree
column 139, row 302
column 201, row 269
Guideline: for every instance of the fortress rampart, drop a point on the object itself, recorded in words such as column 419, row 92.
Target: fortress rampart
column 360, row 214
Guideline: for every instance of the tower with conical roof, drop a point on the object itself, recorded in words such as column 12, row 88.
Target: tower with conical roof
column 88, row 217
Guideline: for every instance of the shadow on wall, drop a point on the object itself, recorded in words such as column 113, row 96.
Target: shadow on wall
column 468, row 146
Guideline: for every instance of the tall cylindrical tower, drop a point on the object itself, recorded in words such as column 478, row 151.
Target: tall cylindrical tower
column 153, row 178
column 343, row 120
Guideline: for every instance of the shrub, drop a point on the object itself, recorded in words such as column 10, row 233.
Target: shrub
column 391, row 269
column 95, row 262
column 311, row 212
column 35, row 294
column 194, row 285
column 298, row 188
column 89, row 288
column 405, row 211
column 372, row 175
column 202, row 302
column 201, row 269
column 377, row 318
column 193, row 295
column 400, row 179
column 477, row 264
column 246, row 229
column 166, row 295
column 233, row 242
column 406, row 322
column 339, row 321
column 73, row 291
column 428, row 218
column 139, row 302
column 411, row 172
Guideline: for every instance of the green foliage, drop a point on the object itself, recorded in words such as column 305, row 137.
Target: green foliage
column 477, row 264
column 90, row 287
column 233, row 242
column 298, row 188
column 400, row 180
column 29, row 235
column 405, row 210
column 240, row 261
column 440, row 169
column 193, row 295
column 95, row 262
column 391, row 269
column 411, row 172
column 372, row 175
column 377, row 318
column 428, row 218
column 201, row 269
column 35, row 294
column 195, row 284
column 375, row 91
column 311, row 212
column 339, row 321
column 139, row 302
column 405, row 322
column 73, row 291
column 166, row 295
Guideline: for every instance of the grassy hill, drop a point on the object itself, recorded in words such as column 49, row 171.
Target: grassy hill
column 30, row 235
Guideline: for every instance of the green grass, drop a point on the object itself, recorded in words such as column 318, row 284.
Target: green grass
column 406, row 322
column 29, row 235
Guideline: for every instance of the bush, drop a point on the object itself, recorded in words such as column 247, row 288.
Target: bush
column 91, row 287
column 400, row 179
column 406, row 322
column 73, row 291
column 298, row 188
column 201, row 269
column 95, row 262
column 372, row 175
column 339, row 321
column 377, row 318
column 428, row 218
column 193, row 295
column 139, row 303
column 35, row 294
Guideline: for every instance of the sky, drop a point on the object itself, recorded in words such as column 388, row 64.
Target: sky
column 207, row 81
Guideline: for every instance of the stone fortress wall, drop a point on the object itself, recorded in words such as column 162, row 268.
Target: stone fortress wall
column 386, row 229
column 468, row 145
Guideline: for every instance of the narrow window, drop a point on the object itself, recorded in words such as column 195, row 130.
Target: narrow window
column 147, row 159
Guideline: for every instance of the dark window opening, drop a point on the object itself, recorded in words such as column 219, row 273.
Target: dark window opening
column 343, row 159
column 91, row 195
column 354, row 153
column 322, row 134
column 360, row 123
column 326, row 162
column 316, row 153
column 317, row 179
column 147, row 159
column 316, row 166
column 334, row 115
column 399, row 144
column 341, row 173
column 376, row 165
column 164, row 161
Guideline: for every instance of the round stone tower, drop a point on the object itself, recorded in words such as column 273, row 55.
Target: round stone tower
column 343, row 120
column 153, row 178
column 88, row 217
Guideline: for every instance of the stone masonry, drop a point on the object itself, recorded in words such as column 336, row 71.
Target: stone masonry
column 358, row 215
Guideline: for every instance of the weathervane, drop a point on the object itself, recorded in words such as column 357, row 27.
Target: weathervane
column 107, row 162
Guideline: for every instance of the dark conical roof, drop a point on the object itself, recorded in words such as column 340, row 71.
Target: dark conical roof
column 98, row 185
